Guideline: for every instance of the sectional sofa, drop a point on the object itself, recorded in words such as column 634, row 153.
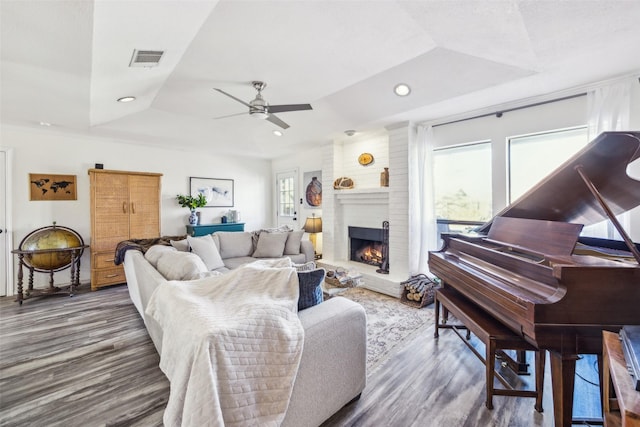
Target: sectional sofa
column 332, row 370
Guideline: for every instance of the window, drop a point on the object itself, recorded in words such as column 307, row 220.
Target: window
column 530, row 161
column 533, row 157
column 286, row 196
column 462, row 182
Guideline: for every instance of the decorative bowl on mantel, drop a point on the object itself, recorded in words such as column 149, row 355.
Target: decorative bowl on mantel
column 343, row 183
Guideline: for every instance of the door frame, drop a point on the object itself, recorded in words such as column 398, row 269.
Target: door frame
column 296, row 178
column 7, row 262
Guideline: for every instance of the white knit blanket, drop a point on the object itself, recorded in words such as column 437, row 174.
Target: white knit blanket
column 231, row 345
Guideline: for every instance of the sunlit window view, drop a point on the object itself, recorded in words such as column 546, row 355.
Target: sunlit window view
column 533, row 157
column 462, row 182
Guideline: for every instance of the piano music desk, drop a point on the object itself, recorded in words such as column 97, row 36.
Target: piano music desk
column 495, row 336
column 615, row 371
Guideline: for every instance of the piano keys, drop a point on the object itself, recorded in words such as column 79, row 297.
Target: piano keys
column 526, row 269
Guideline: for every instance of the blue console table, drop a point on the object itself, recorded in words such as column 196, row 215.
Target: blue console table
column 201, row 230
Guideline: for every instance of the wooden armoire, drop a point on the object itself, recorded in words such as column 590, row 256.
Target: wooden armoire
column 124, row 205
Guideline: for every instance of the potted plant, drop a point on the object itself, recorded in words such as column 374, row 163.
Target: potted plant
column 192, row 202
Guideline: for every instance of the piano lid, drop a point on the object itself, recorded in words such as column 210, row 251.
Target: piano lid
column 564, row 196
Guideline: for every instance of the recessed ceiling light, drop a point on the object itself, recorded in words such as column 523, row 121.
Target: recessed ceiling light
column 350, row 132
column 402, row 89
column 277, row 133
column 127, row 99
column 47, row 124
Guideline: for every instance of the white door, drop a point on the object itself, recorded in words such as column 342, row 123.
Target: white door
column 5, row 254
column 286, row 195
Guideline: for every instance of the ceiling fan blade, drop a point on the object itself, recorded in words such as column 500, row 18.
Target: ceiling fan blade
column 231, row 115
column 231, row 96
column 291, row 107
column 273, row 119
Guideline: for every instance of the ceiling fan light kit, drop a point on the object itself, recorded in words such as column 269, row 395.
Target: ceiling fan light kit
column 260, row 109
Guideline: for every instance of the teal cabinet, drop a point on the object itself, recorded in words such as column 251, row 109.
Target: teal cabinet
column 201, row 230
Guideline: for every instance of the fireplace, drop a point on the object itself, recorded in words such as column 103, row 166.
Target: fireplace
column 366, row 245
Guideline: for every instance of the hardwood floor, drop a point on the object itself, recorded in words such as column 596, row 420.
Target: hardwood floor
column 87, row 361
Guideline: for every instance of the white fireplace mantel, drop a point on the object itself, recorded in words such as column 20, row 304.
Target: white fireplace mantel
column 363, row 196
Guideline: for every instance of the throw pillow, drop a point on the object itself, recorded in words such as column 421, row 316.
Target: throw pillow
column 180, row 265
column 270, row 245
column 256, row 234
column 154, row 253
column 292, row 246
column 310, row 288
column 207, row 250
column 181, row 245
column 307, row 266
column 234, row 244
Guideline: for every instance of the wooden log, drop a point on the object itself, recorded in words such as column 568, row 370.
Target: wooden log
column 420, row 287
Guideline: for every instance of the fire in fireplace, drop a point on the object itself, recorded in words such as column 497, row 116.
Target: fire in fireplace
column 370, row 254
column 366, row 245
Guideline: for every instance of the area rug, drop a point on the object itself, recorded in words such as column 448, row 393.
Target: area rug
column 390, row 324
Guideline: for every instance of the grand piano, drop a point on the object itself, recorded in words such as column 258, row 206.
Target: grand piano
column 529, row 268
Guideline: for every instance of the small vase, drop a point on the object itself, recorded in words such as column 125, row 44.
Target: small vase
column 384, row 178
column 193, row 218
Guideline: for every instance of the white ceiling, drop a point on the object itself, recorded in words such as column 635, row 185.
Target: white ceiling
column 66, row 63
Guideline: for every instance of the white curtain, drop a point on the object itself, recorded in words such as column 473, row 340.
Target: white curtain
column 608, row 110
column 422, row 220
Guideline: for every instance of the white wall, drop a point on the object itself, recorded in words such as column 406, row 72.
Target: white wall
column 52, row 151
column 363, row 176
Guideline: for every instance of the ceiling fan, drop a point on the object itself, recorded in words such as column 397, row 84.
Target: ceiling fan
column 260, row 109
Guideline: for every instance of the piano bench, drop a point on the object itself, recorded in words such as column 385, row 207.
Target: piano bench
column 495, row 336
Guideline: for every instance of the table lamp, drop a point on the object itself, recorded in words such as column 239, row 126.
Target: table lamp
column 313, row 226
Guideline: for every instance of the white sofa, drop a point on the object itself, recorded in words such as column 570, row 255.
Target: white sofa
column 332, row 370
column 237, row 248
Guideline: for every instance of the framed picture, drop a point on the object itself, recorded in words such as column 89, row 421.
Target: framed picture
column 312, row 188
column 47, row 186
column 218, row 192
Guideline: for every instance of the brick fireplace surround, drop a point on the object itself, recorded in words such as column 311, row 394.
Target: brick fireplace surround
column 368, row 204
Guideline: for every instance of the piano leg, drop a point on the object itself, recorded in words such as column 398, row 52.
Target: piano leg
column 540, row 357
column 563, row 371
column 436, row 334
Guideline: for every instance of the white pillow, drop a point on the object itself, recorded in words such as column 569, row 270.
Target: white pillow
column 292, row 246
column 179, row 265
column 154, row 253
column 207, row 250
column 270, row 245
column 234, row 244
column 181, row 245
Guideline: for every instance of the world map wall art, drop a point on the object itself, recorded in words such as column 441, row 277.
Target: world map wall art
column 46, row 186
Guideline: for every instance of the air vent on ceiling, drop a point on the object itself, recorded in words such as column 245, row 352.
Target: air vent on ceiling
column 146, row 58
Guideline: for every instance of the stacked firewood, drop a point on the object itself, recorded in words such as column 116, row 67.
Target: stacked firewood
column 419, row 290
